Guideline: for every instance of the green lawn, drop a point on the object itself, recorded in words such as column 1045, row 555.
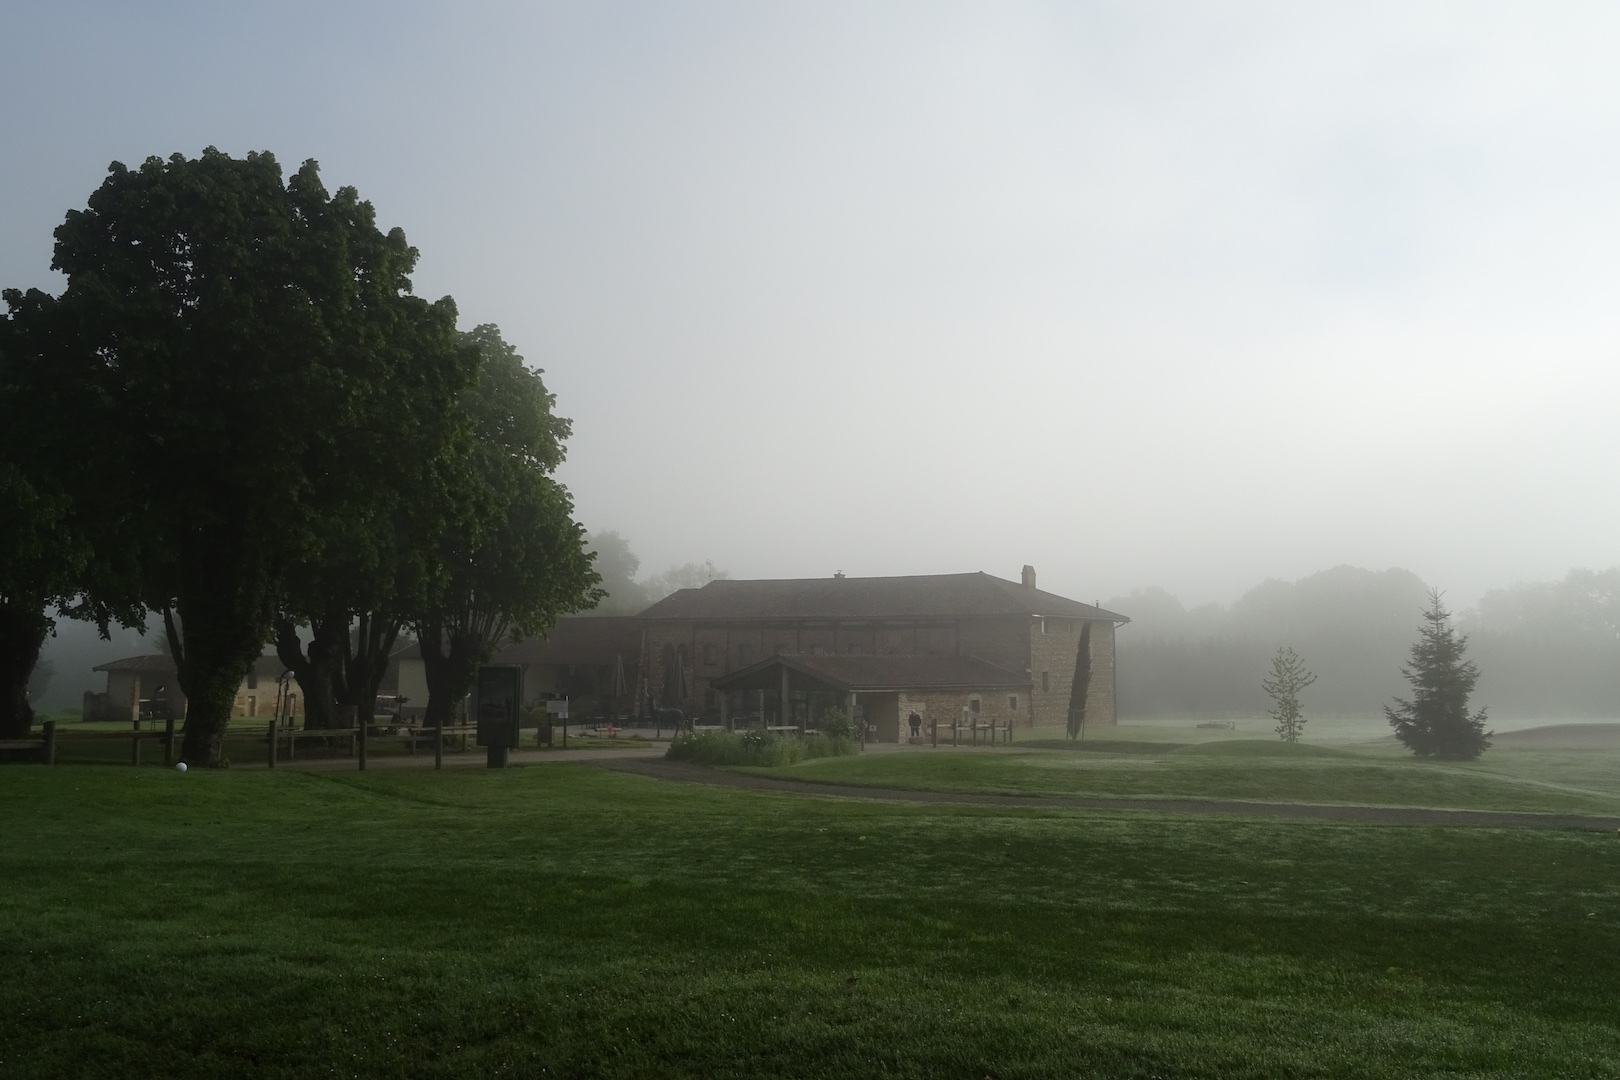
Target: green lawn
column 1570, row 782
column 563, row 920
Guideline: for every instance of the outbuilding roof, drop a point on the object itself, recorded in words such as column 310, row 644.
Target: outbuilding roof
column 911, row 597
column 871, row 674
column 584, row 640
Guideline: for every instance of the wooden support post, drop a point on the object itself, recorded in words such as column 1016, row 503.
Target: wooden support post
column 782, row 702
column 933, row 729
column 438, row 743
column 168, row 738
column 135, row 745
column 50, row 742
column 270, row 761
column 360, row 745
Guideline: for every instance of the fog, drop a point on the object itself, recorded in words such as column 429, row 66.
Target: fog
column 1144, row 295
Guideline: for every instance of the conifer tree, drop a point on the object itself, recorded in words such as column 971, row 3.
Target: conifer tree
column 1288, row 678
column 1436, row 722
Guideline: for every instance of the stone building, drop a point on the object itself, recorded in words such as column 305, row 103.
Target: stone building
column 932, row 644
column 146, row 686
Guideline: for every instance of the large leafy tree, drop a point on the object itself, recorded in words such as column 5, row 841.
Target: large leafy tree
column 236, row 326
column 517, row 559
column 50, row 506
column 387, row 496
column 1436, row 722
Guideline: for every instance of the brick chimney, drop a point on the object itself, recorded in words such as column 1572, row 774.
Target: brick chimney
column 1029, row 576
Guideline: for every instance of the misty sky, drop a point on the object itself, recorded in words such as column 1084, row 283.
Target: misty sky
column 1178, row 294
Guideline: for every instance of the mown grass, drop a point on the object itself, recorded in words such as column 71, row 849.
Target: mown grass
column 562, row 920
column 1263, row 771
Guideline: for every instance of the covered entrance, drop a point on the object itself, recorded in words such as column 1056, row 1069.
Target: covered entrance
column 791, row 692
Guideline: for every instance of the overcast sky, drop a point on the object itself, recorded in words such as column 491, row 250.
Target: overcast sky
column 1179, row 294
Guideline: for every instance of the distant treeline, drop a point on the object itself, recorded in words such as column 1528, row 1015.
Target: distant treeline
column 1546, row 650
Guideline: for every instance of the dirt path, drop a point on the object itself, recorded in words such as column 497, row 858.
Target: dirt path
column 473, row 760
column 1388, row 815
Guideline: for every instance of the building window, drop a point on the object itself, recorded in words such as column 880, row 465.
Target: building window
column 1046, row 682
column 252, row 679
column 708, row 654
column 1012, row 702
column 745, row 655
column 973, row 705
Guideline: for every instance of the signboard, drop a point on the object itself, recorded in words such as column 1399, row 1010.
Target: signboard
column 558, row 709
column 498, row 704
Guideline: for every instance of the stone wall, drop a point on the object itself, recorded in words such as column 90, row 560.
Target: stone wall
column 1015, row 643
column 1100, row 697
column 945, row 707
column 1054, row 652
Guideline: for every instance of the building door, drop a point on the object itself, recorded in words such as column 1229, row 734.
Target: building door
column 883, row 713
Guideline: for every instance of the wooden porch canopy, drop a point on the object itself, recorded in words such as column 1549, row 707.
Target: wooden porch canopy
column 870, row 674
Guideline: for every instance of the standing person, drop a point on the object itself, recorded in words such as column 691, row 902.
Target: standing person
column 916, row 724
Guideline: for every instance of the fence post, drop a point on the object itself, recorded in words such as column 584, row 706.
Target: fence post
column 50, row 742
column 135, row 745
column 271, row 732
column 360, row 744
column 933, row 729
column 438, row 743
column 168, row 738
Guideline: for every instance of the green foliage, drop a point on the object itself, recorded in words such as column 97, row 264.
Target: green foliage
column 272, row 924
column 1435, row 721
column 517, row 561
column 1288, row 678
column 1081, row 686
column 756, row 747
column 248, row 345
column 835, row 723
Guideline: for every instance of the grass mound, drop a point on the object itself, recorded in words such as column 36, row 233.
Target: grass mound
column 1259, row 748
column 1099, row 746
column 755, row 748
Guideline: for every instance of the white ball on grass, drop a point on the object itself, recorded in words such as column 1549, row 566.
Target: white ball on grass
column 179, row 766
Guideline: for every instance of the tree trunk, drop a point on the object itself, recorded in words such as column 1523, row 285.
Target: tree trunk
column 22, row 633
column 365, row 665
column 313, row 670
column 450, row 671
column 226, row 612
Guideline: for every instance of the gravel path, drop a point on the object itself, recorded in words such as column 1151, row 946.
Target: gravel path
column 1388, row 815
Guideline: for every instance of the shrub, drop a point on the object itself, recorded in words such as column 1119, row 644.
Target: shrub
column 755, row 747
column 837, row 724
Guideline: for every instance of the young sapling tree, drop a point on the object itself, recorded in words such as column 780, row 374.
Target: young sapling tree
column 1288, row 678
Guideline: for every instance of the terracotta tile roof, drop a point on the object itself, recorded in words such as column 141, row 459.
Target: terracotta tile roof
column 921, row 596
